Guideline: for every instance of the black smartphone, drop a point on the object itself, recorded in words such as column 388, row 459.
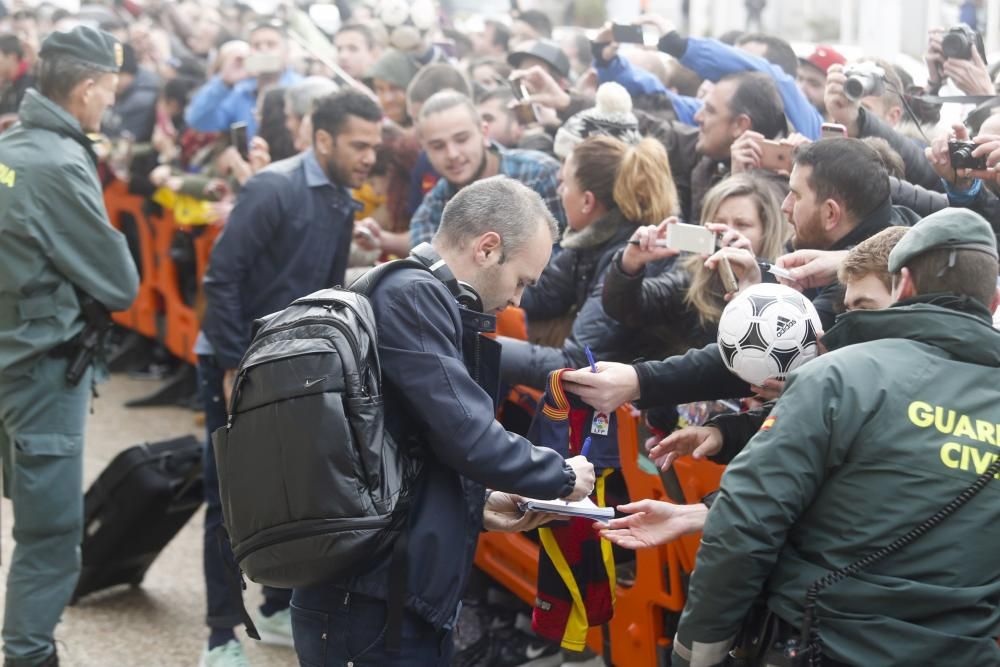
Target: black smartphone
column 238, row 138
column 623, row 33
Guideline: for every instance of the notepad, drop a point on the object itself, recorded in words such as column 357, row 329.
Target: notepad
column 582, row 508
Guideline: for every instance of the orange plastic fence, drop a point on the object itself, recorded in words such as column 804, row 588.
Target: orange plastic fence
column 142, row 315
column 159, row 311
column 637, row 632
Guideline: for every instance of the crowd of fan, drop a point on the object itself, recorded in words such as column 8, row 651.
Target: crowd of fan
column 620, row 140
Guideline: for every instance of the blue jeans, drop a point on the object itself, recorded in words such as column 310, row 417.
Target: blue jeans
column 334, row 628
column 223, row 605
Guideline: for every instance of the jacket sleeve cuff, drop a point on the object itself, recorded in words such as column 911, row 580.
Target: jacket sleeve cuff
column 645, row 375
column 570, row 483
column 962, row 197
column 616, row 266
column 674, row 44
column 597, row 50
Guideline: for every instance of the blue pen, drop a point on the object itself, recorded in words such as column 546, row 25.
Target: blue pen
column 590, row 358
column 586, row 447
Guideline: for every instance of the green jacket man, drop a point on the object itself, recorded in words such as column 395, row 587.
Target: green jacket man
column 55, row 241
column 865, row 443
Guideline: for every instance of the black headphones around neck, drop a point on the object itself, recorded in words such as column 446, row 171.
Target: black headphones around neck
column 464, row 293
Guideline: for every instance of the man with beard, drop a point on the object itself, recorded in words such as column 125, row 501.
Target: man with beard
column 457, row 143
column 288, row 235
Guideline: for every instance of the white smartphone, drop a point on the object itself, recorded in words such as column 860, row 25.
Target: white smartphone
column 691, row 238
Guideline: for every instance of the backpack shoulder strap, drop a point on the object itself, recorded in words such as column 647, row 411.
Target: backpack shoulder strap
column 366, row 283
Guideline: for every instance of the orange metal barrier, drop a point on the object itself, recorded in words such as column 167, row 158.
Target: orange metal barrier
column 159, row 311
column 638, row 635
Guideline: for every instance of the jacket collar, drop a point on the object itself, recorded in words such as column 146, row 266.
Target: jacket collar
column 40, row 112
column 598, row 233
column 316, row 178
column 884, row 215
column 960, row 326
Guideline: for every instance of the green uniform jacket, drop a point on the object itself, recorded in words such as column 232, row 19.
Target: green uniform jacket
column 867, row 442
column 54, row 235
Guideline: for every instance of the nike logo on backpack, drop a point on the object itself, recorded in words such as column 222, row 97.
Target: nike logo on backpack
column 314, row 381
column 533, row 653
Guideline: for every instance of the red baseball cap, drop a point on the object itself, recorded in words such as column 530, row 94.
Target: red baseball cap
column 823, row 57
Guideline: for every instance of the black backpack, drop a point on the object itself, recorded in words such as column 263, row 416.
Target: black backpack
column 312, row 485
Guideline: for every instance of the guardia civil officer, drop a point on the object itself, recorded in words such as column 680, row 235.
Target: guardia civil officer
column 56, row 246
column 866, row 443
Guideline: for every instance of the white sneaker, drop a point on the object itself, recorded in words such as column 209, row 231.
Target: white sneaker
column 229, row 654
column 275, row 629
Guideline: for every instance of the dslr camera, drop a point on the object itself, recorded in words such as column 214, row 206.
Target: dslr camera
column 959, row 41
column 864, row 79
column 960, row 154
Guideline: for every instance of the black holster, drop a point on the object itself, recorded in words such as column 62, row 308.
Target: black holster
column 765, row 640
column 89, row 344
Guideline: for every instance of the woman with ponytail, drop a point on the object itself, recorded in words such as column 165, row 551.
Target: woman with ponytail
column 608, row 189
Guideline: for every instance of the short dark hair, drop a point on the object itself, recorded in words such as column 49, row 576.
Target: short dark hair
column 58, row 75
column 847, row 170
column 434, row 78
column 757, row 96
column 362, row 30
column 776, row 50
column 969, row 273
column 332, row 111
column 11, row 44
column 502, row 93
column 501, row 33
column 539, row 21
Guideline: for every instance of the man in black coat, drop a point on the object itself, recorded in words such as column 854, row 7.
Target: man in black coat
column 441, row 384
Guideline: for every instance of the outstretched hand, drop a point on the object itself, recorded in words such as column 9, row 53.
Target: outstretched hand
column 652, row 522
column 697, row 441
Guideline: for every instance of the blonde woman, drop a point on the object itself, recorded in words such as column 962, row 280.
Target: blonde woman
column 677, row 298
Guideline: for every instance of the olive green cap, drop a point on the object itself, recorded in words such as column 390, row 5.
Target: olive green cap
column 88, row 46
column 957, row 228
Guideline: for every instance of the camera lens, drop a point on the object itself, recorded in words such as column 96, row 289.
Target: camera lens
column 854, row 88
column 956, row 45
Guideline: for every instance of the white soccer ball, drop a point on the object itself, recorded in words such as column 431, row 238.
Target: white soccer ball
column 768, row 331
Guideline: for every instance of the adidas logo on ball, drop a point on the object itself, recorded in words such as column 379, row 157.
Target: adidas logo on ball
column 768, row 331
column 784, row 324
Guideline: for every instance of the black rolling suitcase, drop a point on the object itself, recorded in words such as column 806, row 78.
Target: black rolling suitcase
column 135, row 507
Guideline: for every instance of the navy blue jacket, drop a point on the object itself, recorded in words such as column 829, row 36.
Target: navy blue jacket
column 429, row 350
column 288, row 235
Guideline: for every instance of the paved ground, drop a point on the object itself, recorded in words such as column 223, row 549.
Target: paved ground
column 159, row 624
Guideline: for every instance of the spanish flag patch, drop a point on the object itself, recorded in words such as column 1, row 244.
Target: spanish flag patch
column 768, row 423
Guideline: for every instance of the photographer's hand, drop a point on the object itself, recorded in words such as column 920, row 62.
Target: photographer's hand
column 938, row 155
column 639, row 254
column 971, row 76
column 842, row 110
